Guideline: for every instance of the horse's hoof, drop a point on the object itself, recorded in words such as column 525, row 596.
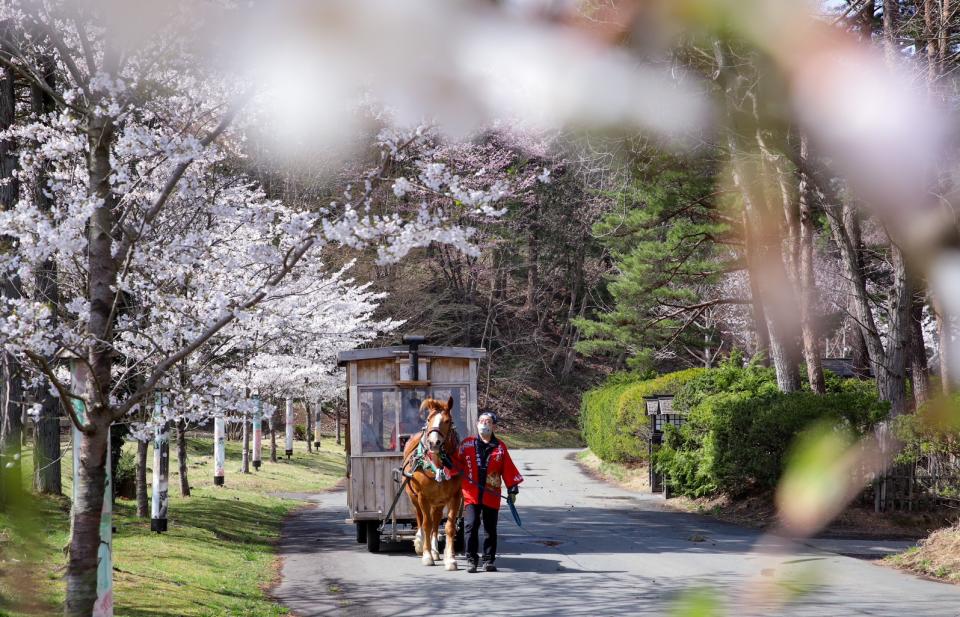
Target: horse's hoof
column 418, row 546
column 451, row 566
column 435, row 556
column 427, row 560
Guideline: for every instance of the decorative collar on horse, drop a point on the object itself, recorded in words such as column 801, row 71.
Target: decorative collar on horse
column 437, row 440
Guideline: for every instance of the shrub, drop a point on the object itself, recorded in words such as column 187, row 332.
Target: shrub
column 931, row 432
column 613, row 417
column 299, row 432
column 125, row 482
column 730, row 376
column 736, row 442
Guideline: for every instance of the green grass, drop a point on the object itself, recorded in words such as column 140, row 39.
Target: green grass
column 550, row 438
column 218, row 557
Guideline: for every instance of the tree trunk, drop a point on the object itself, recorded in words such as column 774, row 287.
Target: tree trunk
column 944, row 47
column 929, row 27
column 571, row 354
column 944, row 325
column 533, row 269
column 309, row 427
column 756, row 301
column 46, row 449
column 182, row 457
column 808, row 284
column 273, row 440
column 765, row 266
column 890, row 48
column 339, row 443
column 245, row 465
column 889, row 365
column 85, row 539
column 893, row 384
column 47, row 477
column 11, row 389
column 143, row 506
column 859, row 356
column 919, row 371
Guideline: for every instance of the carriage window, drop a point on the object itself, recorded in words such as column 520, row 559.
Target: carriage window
column 460, row 418
column 378, row 419
column 411, row 419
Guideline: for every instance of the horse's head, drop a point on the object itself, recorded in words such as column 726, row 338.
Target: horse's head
column 439, row 425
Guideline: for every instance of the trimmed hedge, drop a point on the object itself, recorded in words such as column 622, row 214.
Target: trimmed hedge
column 737, row 442
column 613, row 417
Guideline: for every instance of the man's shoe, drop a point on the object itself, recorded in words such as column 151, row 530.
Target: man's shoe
column 472, row 568
column 489, row 567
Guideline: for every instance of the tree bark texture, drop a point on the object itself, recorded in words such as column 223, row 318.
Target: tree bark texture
column 143, row 506
column 808, row 284
column 919, row 371
column 85, row 539
column 756, row 303
column 766, row 267
column 892, row 383
column 889, row 365
column 46, row 450
column 245, row 462
column 47, row 478
column 182, row 457
column 310, row 438
column 944, row 326
column 11, row 389
column 273, row 440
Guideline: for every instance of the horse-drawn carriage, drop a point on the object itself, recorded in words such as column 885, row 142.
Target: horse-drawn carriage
column 385, row 389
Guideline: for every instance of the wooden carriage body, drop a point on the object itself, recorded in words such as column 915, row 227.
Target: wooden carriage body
column 383, row 398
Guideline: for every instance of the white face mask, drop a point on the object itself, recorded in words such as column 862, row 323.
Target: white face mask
column 485, row 430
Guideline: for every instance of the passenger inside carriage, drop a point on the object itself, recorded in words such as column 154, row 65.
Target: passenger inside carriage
column 370, row 435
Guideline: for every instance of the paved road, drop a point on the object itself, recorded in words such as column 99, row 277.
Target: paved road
column 587, row 548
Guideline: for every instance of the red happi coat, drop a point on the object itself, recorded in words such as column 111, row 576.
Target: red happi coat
column 500, row 470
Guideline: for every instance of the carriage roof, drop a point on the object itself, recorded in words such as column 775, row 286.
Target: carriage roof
column 424, row 351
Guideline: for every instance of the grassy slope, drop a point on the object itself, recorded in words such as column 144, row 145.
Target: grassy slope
column 216, row 559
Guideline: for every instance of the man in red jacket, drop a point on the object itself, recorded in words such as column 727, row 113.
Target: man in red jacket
column 486, row 465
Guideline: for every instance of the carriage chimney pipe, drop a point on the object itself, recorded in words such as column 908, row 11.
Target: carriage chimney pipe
column 414, row 341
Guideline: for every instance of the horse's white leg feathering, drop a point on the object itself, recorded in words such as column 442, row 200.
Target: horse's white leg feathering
column 449, row 559
column 434, row 546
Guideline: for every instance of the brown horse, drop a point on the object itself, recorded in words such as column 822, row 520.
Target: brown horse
column 429, row 490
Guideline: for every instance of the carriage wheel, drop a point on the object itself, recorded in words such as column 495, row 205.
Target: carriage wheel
column 373, row 536
column 361, row 532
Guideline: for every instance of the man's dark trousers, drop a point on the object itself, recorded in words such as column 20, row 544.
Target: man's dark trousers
column 471, row 529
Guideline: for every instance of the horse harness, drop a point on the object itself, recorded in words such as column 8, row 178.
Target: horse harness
column 422, row 460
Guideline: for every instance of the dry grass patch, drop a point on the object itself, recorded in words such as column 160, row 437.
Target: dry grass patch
column 632, row 477
column 937, row 556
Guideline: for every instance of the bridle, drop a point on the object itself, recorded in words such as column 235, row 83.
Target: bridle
column 429, row 430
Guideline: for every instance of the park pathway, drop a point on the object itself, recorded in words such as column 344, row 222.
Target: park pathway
column 587, row 548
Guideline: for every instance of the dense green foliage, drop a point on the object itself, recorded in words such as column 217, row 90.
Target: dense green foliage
column 614, row 419
column 740, row 428
column 932, row 431
column 667, row 246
